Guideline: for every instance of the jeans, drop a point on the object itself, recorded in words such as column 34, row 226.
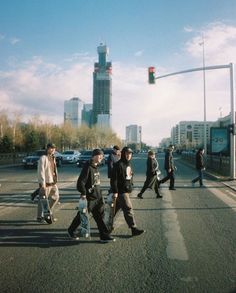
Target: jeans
column 199, row 177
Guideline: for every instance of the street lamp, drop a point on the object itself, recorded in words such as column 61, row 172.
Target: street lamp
column 204, row 93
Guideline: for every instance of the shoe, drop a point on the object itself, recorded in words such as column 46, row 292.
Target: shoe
column 48, row 219
column 139, row 195
column 54, row 219
column 136, row 231
column 40, row 220
column 159, row 196
column 107, row 238
column 172, row 188
column 72, row 235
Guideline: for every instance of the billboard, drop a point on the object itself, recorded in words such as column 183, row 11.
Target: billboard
column 219, row 140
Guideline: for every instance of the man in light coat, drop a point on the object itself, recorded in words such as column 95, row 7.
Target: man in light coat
column 47, row 179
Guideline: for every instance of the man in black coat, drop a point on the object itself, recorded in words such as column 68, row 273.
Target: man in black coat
column 88, row 185
column 122, row 185
column 152, row 173
column 200, row 167
column 169, row 167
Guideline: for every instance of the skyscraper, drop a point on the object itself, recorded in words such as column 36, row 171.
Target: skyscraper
column 102, row 90
column 73, row 111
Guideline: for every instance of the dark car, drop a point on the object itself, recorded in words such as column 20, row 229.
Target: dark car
column 31, row 161
column 86, row 156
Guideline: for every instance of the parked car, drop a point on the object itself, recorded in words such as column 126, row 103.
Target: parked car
column 70, row 156
column 31, row 161
column 86, row 156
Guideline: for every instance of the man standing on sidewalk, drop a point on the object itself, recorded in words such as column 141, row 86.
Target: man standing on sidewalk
column 121, row 185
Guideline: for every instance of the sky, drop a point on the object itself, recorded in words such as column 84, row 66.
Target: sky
column 48, row 49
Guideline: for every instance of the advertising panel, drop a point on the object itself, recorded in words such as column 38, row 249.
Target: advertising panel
column 219, row 140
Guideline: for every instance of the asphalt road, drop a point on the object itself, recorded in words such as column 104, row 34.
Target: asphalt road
column 189, row 244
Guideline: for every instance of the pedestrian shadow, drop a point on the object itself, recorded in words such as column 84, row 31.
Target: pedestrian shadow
column 42, row 238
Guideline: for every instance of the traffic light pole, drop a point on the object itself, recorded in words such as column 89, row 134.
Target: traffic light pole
column 231, row 72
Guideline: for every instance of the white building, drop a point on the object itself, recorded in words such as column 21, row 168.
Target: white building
column 133, row 134
column 73, row 111
column 190, row 134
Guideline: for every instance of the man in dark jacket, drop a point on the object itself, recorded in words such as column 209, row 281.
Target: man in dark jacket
column 88, row 185
column 122, row 184
column 151, row 175
column 200, row 167
column 112, row 159
column 169, row 167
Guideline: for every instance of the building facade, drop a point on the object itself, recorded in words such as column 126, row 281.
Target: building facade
column 133, row 134
column 73, row 111
column 87, row 116
column 190, row 134
column 102, row 89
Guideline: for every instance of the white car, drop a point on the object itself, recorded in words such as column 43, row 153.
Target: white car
column 70, row 156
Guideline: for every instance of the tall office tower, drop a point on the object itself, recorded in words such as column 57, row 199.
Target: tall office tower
column 133, row 134
column 87, row 114
column 102, row 90
column 73, row 111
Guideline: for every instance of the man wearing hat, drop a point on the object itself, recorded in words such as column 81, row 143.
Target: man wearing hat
column 47, row 179
column 88, row 185
column 121, row 185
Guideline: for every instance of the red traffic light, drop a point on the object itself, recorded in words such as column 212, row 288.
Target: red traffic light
column 151, row 75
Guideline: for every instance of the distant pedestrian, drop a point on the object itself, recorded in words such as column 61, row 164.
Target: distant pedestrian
column 88, row 185
column 152, row 174
column 112, row 159
column 200, row 167
column 122, row 184
column 169, row 167
column 47, row 179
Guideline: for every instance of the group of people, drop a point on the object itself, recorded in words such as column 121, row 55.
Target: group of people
column 121, row 184
column 88, row 185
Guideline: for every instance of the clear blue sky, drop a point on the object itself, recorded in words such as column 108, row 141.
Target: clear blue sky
column 61, row 34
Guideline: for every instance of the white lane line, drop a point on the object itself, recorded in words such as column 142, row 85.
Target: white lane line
column 176, row 248
column 229, row 201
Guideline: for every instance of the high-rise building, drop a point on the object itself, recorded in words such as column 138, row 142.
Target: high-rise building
column 73, row 111
column 102, row 89
column 133, row 134
column 87, row 114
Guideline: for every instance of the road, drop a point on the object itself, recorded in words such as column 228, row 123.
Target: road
column 189, row 244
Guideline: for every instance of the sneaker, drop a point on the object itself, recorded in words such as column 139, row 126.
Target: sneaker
column 172, row 188
column 107, row 238
column 40, row 220
column 54, row 219
column 139, row 195
column 72, row 235
column 136, row 231
column 159, row 196
column 48, row 219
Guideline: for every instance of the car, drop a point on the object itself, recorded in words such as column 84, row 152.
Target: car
column 70, row 156
column 86, row 156
column 31, row 161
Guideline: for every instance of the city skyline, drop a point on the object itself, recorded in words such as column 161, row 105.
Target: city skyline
column 48, row 50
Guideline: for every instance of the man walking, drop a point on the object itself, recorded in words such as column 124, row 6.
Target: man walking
column 169, row 167
column 88, row 185
column 121, row 185
column 47, row 179
column 200, row 167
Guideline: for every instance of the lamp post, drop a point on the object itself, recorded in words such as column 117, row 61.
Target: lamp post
column 204, row 94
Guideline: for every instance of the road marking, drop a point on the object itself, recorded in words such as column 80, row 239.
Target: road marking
column 176, row 248
column 229, row 201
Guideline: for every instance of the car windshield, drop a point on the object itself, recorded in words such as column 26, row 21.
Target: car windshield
column 87, row 153
column 68, row 153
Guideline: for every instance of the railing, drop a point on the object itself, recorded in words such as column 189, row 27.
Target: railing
column 217, row 164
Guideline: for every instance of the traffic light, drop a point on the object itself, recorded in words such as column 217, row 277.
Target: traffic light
column 231, row 128
column 151, row 75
